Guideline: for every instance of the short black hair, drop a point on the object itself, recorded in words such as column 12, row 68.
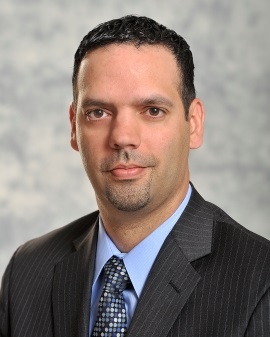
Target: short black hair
column 140, row 30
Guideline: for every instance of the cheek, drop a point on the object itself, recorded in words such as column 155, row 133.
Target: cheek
column 168, row 143
column 87, row 140
column 174, row 149
column 87, row 150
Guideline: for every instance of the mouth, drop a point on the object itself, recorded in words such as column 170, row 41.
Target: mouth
column 123, row 172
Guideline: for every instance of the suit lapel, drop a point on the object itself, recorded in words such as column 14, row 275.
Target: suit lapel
column 168, row 287
column 193, row 231
column 172, row 278
column 72, row 288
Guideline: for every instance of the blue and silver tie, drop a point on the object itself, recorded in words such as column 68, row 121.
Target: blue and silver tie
column 111, row 317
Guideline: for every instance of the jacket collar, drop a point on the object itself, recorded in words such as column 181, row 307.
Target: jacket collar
column 193, row 231
column 71, row 294
column 172, row 278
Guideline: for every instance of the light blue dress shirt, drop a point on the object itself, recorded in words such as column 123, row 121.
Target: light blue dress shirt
column 138, row 261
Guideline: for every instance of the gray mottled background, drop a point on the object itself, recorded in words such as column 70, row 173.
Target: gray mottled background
column 43, row 185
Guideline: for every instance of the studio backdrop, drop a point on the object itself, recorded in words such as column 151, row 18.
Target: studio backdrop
column 42, row 183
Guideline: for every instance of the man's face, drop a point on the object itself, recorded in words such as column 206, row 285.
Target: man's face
column 129, row 126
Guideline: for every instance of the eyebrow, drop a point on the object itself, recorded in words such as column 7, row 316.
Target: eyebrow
column 89, row 102
column 155, row 100
column 144, row 101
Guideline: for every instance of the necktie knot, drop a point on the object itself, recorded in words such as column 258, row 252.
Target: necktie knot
column 116, row 276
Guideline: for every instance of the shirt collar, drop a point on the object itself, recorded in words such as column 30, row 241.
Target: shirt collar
column 140, row 259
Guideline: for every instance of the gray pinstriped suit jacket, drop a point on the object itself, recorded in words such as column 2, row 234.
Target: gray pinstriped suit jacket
column 210, row 279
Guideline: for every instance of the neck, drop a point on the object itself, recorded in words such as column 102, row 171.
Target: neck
column 128, row 229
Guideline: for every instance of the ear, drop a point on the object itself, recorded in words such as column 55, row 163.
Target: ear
column 196, row 120
column 72, row 119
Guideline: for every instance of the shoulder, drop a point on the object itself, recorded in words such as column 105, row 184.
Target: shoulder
column 58, row 242
column 233, row 248
column 204, row 229
column 220, row 223
column 35, row 260
column 240, row 252
column 227, row 227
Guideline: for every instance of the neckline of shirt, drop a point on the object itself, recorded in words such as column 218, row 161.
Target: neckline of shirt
column 140, row 259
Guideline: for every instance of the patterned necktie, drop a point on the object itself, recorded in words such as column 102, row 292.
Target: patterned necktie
column 111, row 317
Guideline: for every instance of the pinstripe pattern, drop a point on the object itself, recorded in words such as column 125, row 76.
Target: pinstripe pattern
column 210, row 279
column 51, row 268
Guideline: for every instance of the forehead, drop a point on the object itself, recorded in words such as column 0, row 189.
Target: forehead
column 129, row 56
column 128, row 69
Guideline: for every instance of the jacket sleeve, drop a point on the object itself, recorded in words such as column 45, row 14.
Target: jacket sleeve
column 4, row 302
column 259, row 324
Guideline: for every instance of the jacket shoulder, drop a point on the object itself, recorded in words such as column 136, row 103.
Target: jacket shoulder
column 58, row 241
column 240, row 252
column 224, row 221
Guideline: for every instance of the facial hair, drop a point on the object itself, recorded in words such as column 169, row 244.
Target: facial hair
column 129, row 195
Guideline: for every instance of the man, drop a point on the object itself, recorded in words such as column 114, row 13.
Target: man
column 156, row 259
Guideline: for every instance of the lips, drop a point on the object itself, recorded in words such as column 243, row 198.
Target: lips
column 127, row 171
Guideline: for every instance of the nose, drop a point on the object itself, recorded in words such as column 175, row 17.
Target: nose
column 125, row 131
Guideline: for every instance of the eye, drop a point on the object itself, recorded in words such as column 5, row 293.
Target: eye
column 155, row 112
column 96, row 114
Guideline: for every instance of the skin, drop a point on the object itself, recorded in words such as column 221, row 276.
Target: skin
column 130, row 128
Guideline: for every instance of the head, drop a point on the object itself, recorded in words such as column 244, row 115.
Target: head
column 140, row 30
column 135, row 116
